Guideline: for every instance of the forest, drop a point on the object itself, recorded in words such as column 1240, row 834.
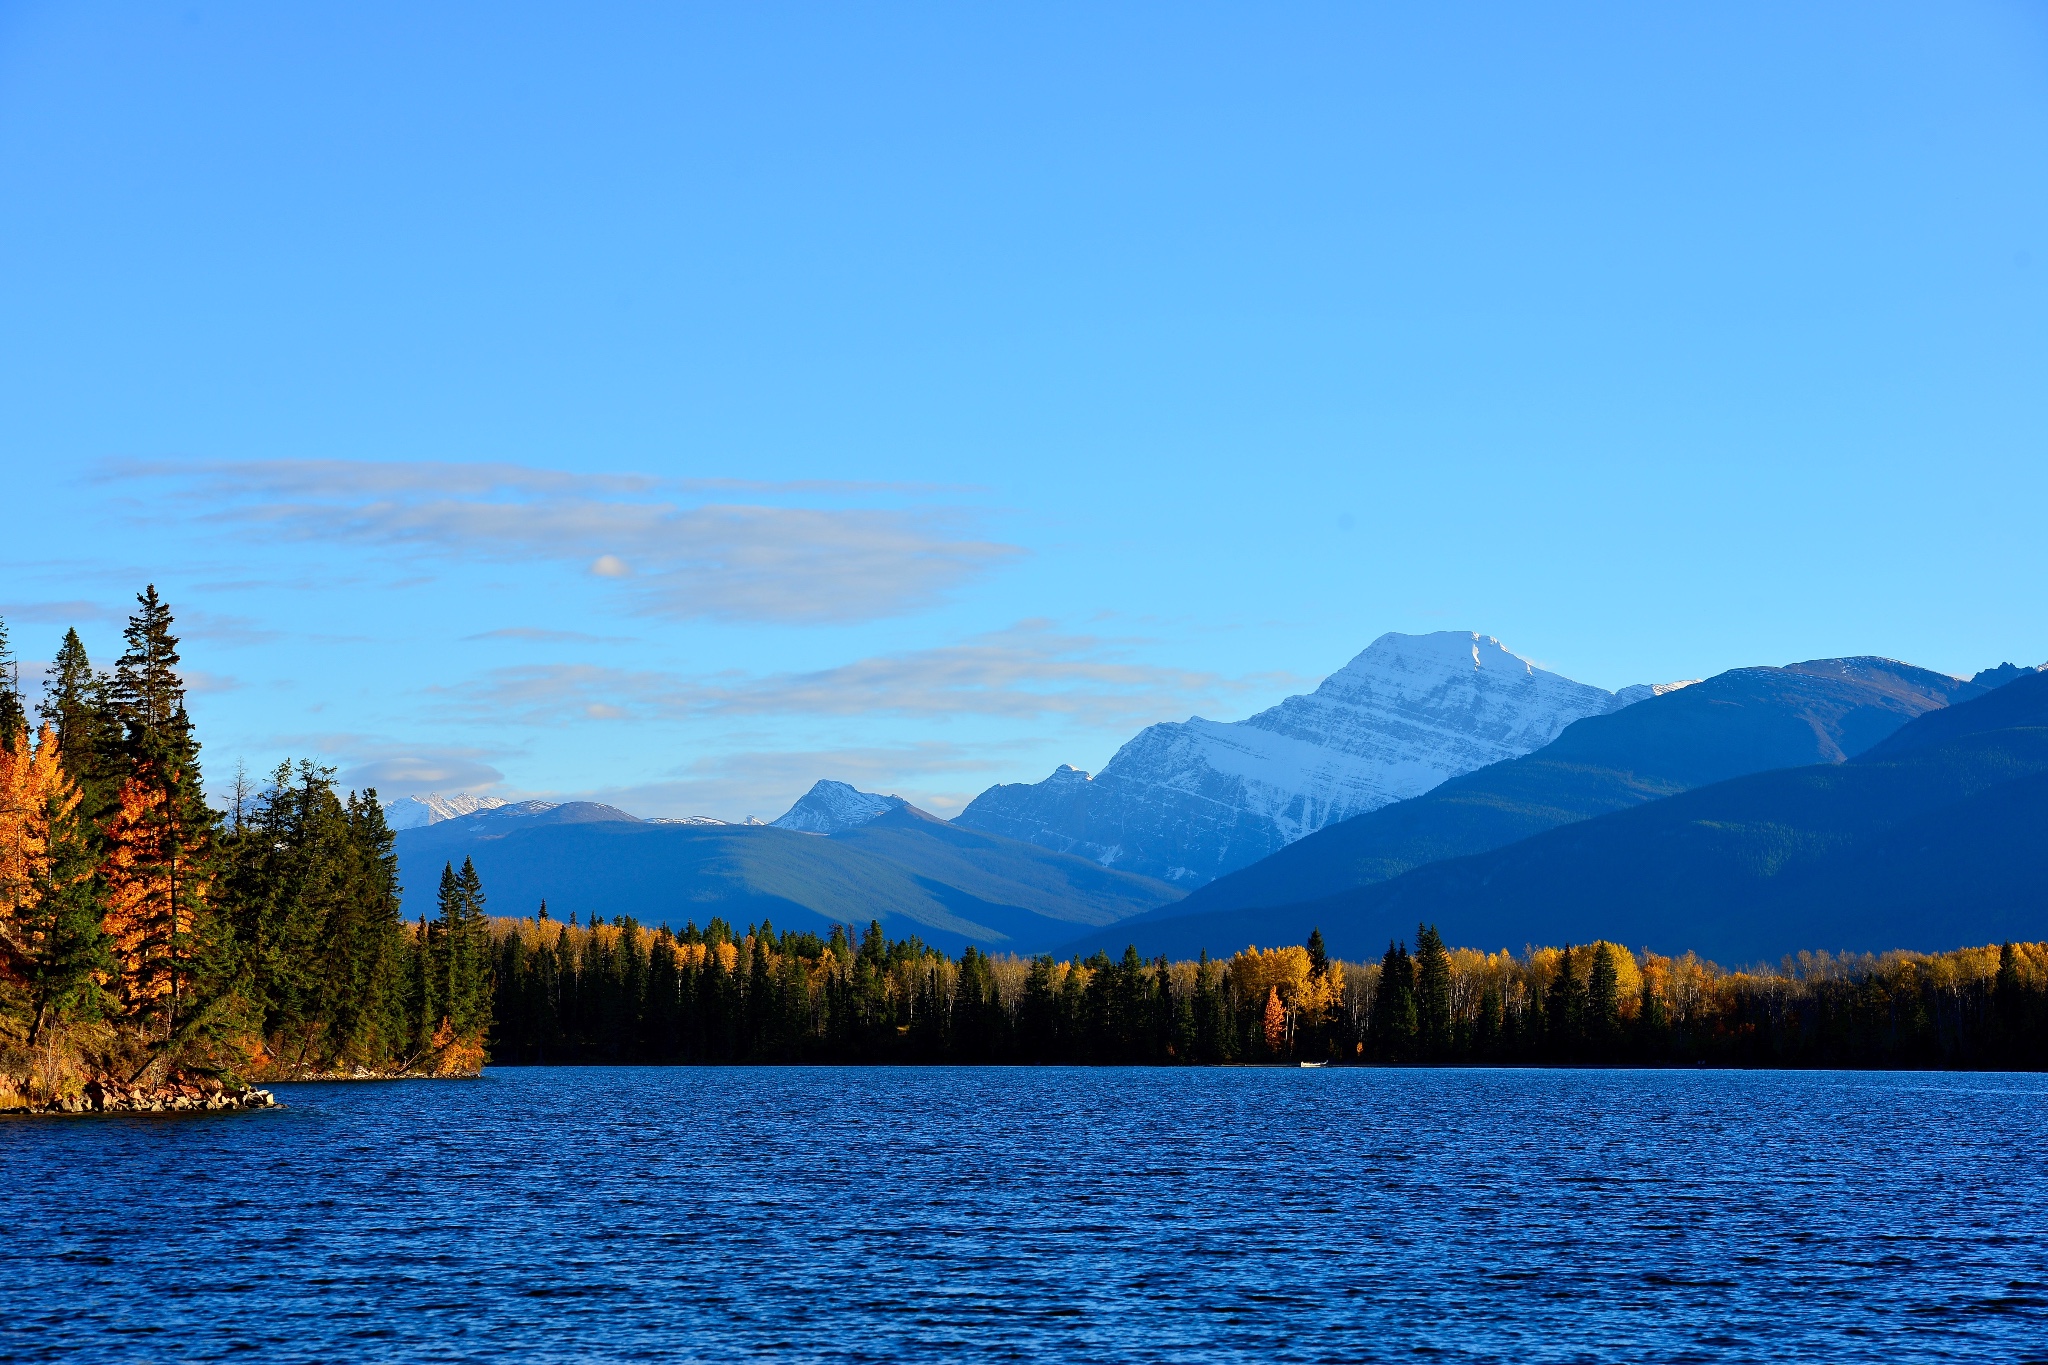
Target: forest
column 621, row 993
column 149, row 939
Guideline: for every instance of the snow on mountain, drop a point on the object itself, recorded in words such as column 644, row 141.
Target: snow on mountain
column 829, row 807
column 1189, row 801
column 1629, row 696
column 410, row 812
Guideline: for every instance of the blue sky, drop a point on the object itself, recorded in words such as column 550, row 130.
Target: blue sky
column 678, row 404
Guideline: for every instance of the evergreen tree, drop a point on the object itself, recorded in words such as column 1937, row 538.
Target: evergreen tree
column 1318, row 957
column 2008, row 1011
column 425, row 999
column 49, row 908
column 76, row 701
column 1565, row 1010
column 1432, row 994
column 13, row 714
column 1486, row 1031
column 1652, row 1022
column 1393, row 1025
column 1603, row 1011
column 162, row 867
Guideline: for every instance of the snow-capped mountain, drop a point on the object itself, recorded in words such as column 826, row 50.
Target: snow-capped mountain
column 1189, row 801
column 410, row 812
column 829, row 807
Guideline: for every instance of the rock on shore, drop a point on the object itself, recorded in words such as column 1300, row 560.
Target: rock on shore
column 111, row 1097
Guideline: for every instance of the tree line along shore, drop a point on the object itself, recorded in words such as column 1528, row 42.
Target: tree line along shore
column 622, row 993
column 158, row 953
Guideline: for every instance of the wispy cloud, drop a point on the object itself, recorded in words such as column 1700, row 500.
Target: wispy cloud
column 539, row 635
column 57, row 613
column 200, row 682
column 395, row 767
column 413, row 773
column 1028, row 672
column 679, row 548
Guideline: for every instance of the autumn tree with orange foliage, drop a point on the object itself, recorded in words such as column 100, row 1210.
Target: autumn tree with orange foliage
column 140, row 939
column 51, row 943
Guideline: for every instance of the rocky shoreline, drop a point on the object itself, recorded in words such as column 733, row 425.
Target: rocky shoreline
column 111, row 1097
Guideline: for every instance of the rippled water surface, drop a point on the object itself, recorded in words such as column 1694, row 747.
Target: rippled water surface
column 557, row 1214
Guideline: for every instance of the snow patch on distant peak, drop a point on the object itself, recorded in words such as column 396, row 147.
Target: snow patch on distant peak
column 1193, row 799
column 829, row 807
column 1630, row 695
column 411, row 812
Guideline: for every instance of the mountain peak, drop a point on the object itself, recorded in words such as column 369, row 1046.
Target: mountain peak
column 829, row 807
column 411, row 812
column 1186, row 801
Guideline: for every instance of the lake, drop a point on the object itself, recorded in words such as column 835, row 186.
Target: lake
column 1057, row 1214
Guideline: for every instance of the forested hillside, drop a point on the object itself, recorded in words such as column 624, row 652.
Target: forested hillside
column 149, row 939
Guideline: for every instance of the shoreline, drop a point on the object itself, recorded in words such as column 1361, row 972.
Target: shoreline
column 109, row 1099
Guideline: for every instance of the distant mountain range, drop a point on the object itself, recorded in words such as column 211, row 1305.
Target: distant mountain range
column 1743, row 721
column 1189, row 801
column 1930, row 837
column 410, row 812
column 915, row 873
column 1437, row 777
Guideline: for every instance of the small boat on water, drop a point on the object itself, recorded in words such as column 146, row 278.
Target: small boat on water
column 1311, row 1064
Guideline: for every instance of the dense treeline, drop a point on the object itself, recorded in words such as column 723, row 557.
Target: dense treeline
column 622, row 993
column 145, row 935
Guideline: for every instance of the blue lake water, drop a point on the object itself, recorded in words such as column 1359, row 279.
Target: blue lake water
column 884, row 1214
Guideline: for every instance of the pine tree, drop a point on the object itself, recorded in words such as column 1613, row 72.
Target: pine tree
column 1603, row 1011
column 1565, row 1010
column 13, row 714
column 1486, row 1033
column 76, row 701
column 1432, row 994
column 1652, row 1022
column 1318, row 956
column 1393, row 1023
column 473, row 980
column 1212, row 1028
column 48, row 900
column 166, row 825
column 2008, row 1012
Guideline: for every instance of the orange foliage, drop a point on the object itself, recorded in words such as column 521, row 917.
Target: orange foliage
column 154, row 891
column 134, row 911
column 35, row 793
column 1275, row 1022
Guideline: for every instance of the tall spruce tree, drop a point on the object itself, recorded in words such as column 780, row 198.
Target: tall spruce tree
column 1603, row 1005
column 164, row 829
column 1432, row 994
column 1565, row 1010
column 1393, row 1023
column 76, row 702
column 13, row 712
